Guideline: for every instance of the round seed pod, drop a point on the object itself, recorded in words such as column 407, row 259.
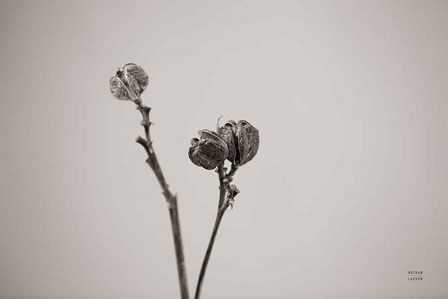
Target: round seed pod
column 129, row 82
column 208, row 151
column 248, row 140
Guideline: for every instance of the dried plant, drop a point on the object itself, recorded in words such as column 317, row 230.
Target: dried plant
column 236, row 142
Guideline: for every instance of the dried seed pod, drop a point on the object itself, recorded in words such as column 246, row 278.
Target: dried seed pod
column 129, row 82
column 208, row 151
column 227, row 132
column 248, row 140
column 242, row 139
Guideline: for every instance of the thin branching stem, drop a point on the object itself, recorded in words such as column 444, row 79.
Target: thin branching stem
column 171, row 199
column 223, row 204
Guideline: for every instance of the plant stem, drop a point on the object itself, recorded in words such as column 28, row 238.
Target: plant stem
column 171, row 199
column 177, row 236
column 222, row 207
column 208, row 253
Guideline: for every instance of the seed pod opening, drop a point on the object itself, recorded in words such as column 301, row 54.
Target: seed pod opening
column 208, row 151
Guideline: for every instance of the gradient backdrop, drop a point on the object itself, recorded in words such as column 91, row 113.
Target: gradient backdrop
column 348, row 191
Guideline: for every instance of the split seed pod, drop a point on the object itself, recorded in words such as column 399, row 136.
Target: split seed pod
column 129, row 82
column 209, row 151
column 248, row 140
column 242, row 139
column 227, row 132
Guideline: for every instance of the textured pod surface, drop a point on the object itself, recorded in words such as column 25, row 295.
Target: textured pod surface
column 129, row 82
column 138, row 76
column 208, row 151
column 118, row 89
column 227, row 132
column 248, row 140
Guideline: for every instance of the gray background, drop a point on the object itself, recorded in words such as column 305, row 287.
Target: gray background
column 347, row 193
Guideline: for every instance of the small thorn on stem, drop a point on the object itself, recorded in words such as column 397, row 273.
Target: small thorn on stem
column 140, row 139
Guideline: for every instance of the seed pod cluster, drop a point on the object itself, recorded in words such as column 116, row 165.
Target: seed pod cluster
column 236, row 142
column 129, row 82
